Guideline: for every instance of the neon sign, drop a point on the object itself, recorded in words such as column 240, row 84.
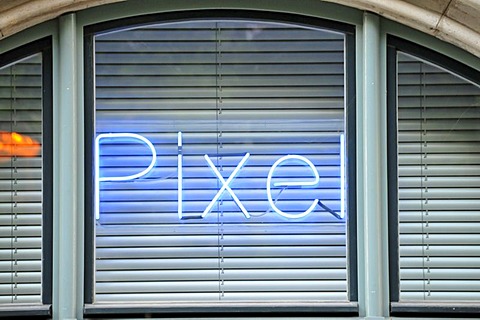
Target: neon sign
column 225, row 188
column 312, row 183
column 98, row 179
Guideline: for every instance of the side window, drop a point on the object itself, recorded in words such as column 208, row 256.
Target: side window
column 437, row 180
column 25, row 177
column 220, row 164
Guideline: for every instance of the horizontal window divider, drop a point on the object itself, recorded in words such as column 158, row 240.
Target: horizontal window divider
column 22, row 310
column 337, row 308
column 439, row 307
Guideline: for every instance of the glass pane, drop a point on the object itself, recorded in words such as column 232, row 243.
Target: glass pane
column 21, row 181
column 220, row 168
column 439, row 183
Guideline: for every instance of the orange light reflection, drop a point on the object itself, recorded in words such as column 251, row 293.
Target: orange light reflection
column 16, row 144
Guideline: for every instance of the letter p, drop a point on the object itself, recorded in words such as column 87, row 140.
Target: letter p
column 118, row 136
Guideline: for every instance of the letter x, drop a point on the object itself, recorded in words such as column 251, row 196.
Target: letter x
column 226, row 186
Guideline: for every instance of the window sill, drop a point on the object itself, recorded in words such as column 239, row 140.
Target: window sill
column 428, row 307
column 336, row 308
column 26, row 310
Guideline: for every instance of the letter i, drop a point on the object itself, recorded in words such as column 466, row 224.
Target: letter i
column 180, row 175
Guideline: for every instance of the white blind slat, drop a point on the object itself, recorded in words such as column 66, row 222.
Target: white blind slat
column 234, row 296
column 205, row 275
column 201, row 252
column 230, row 263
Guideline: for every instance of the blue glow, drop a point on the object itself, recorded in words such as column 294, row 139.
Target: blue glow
column 180, row 175
column 98, row 179
column 342, row 176
column 225, row 183
column 295, row 183
column 226, row 186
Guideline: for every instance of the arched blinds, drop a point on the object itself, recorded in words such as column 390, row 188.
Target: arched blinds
column 221, row 164
column 438, row 176
column 25, row 178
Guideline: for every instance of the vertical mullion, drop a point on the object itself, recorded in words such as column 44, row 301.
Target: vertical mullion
column 47, row 167
column 374, row 194
column 393, row 234
column 89, row 130
column 350, row 147
column 65, row 171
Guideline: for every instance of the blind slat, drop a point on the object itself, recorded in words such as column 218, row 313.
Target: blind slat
column 213, row 296
column 202, row 252
column 228, row 263
column 212, row 274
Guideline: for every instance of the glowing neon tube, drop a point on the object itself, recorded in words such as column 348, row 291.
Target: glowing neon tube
column 180, row 175
column 293, row 183
column 226, row 186
column 342, row 176
column 98, row 179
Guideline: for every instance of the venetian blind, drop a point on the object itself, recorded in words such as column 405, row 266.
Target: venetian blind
column 21, row 181
column 439, row 183
column 220, row 89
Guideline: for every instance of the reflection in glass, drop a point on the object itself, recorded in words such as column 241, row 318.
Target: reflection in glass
column 21, row 181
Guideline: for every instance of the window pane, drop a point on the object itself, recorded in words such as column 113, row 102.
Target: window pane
column 439, row 183
column 21, row 181
column 220, row 170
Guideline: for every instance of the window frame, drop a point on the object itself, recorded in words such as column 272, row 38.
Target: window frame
column 43, row 46
column 396, row 44
column 344, row 308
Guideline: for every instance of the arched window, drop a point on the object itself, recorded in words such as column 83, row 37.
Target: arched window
column 435, row 142
column 250, row 158
column 221, row 151
column 26, row 180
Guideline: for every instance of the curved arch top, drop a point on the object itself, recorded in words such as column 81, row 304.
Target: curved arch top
column 454, row 21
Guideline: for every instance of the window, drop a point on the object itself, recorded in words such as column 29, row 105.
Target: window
column 206, row 160
column 222, row 161
column 436, row 151
column 25, row 179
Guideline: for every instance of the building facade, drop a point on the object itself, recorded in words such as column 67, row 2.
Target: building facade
column 253, row 159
